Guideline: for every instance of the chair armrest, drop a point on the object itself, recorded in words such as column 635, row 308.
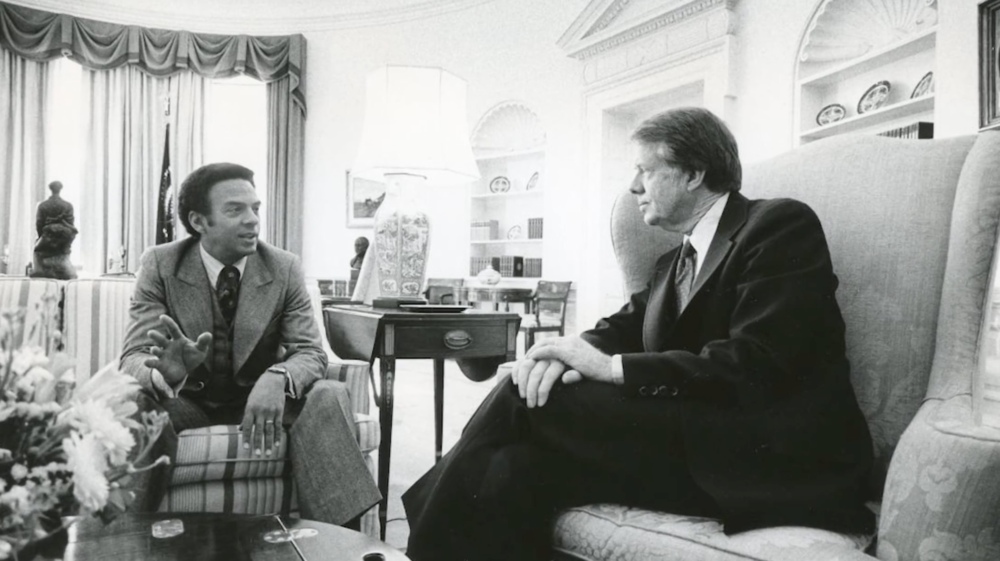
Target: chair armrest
column 355, row 375
column 941, row 497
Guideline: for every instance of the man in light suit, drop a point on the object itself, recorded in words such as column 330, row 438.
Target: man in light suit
column 720, row 390
column 222, row 332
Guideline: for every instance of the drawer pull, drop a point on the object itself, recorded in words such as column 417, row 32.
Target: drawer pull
column 457, row 339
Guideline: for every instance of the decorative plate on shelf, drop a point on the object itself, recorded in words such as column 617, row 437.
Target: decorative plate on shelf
column 500, row 184
column 874, row 97
column 532, row 182
column 830, row 114
column 514, row 233
column 924, row 86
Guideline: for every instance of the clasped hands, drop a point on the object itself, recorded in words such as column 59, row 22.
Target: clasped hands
column 175, row 355
column 569, row 359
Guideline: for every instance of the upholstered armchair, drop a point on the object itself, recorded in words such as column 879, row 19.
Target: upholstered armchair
column 212, row 472
column 912, row 228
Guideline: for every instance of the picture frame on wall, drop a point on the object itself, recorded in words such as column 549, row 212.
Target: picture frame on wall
column 364, row 196
column 989, row 96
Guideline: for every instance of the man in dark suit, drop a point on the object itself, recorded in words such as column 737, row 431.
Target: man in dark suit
column 222, row 332
column 720, row 390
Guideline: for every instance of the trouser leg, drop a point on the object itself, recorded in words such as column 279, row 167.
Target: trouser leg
column 334, row 485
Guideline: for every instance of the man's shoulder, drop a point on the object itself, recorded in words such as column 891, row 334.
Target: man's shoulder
column 168, row 254
column 780, row 208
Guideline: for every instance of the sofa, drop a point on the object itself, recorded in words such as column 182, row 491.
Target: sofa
column 912, row 227
column 212, row 472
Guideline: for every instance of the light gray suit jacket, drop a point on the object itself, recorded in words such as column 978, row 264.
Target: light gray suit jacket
column 274, row 319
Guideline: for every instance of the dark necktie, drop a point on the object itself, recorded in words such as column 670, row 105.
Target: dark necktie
column 684, row 280
column 227, row 288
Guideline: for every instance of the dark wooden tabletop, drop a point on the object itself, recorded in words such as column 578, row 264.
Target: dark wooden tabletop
column 226, row 537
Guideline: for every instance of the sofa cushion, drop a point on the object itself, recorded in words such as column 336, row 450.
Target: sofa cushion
column 95, row 319
column 41, row 299
column 606, row 531
column 261, row 495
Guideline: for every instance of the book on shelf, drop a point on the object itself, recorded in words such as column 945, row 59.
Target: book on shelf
column 485, row 230
column 918, row 130
column 534, row 228
column 533, row 266
column 511, row 266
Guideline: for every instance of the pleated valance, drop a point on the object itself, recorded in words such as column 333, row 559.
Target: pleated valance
column 39, row 36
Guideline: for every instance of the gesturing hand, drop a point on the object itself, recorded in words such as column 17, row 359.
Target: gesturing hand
column 576, row 354
column 261, row 424
column 174, row 355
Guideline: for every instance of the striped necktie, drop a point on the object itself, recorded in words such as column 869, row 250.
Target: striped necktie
column 684, row 279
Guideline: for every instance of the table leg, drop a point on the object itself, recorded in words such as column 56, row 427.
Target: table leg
column 438, row 406
column 387, row 366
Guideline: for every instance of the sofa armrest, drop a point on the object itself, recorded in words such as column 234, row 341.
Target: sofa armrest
column 941, row 497
column 355, row 375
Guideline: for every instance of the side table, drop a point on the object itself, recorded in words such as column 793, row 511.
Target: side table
column 481, row 340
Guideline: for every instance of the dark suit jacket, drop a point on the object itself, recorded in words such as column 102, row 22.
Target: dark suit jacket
column 274, row 319
column 756, row 365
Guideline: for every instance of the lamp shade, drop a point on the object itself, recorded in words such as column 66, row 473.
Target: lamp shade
column 415, row 123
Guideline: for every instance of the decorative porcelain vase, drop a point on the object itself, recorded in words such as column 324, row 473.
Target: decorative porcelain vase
column 489, row 276
column 402, row 236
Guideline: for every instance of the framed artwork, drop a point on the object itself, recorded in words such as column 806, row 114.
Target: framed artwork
column 363, row 199
column 989, row 96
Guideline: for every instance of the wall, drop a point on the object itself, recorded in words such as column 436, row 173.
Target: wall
column 504, row 50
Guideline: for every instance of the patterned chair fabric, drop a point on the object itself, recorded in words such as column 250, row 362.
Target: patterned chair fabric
column 212, row 473
column 41, row 299
column 912, row 228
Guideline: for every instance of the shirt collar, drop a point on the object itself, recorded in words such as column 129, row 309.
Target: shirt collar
column 214, row 267
column 703, row 232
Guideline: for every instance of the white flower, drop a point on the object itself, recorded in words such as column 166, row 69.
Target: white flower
column 18, row 472
column 26, row 358
column 107, row 385
column 5, row 550
column 35, row 378
column 85, row 456
column 18, row 500
column 97, row 419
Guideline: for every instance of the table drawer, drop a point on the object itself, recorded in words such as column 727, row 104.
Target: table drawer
column 451, row 341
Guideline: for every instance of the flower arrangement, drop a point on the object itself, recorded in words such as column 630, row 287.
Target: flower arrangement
column 63, row 453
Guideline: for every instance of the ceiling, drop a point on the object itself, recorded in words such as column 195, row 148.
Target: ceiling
column 253, row 16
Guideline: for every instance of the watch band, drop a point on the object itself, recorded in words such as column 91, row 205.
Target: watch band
column 289, row 383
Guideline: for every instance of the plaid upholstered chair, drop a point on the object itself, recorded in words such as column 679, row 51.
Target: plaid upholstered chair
column 212, row 473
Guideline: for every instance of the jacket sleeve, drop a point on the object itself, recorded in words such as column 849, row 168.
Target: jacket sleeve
column 622, row 331
column 783, row 319
column 303, row 356
column 147, row 305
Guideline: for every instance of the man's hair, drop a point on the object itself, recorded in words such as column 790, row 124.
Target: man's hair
column 55, row 187
column 698, row 140
column 196, row 187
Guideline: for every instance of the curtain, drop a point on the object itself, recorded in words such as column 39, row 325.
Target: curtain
column 22, row 159
column 37, row 35
column 285, row 140
column 123, row 155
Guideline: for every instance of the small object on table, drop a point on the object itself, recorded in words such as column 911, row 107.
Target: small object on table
column 168, row 528
column 830, row 114
column 874, row 97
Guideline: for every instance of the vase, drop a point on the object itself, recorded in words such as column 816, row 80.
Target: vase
column 402, row 236
column 489, row 276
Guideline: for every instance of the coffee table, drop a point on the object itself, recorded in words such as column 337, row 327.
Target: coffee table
column 221, row 536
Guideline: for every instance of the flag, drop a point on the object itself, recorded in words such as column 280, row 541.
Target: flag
column 165, row 204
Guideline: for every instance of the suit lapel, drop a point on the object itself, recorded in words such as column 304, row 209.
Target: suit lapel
column 733, row 218
column 657, row 311
column 193, row 295
column 258, row 298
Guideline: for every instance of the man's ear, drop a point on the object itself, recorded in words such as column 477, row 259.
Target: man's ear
column 198, row 221
column 696, row 179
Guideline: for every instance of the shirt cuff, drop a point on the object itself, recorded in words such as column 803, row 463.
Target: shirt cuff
column 162, row 388
column 617, row 370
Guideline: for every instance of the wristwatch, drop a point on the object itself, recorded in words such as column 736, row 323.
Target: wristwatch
column 289, row 384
